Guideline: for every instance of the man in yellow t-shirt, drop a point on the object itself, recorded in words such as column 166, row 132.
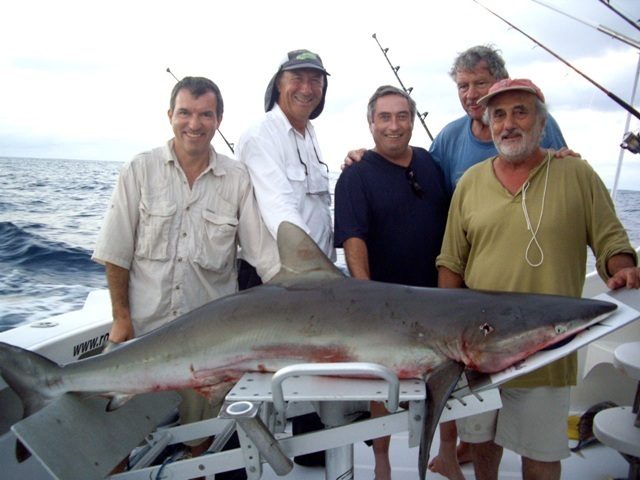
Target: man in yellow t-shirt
column 521, row 221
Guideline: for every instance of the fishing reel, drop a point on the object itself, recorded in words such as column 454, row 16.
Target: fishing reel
column 631, row 142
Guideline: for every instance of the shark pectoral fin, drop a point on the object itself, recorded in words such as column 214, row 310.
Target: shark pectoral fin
column 118, row 400
column 440, row 384
column 299, row 255
column 477, row 380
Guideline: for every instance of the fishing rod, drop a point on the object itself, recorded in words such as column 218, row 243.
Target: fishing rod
column 230, row 145
column 601, row 28
column 421, row 116
column 611, row 95
column 628, row 20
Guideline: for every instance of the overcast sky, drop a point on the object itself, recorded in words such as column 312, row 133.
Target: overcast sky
column 88, row 80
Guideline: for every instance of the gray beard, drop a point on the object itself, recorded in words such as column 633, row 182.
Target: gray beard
column 517, row 154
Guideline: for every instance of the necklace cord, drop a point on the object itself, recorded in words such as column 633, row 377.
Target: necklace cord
column 534, row 232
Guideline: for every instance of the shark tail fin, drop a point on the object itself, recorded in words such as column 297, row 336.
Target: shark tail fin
column 300, row 256
column 30, row 376
column 440, row 384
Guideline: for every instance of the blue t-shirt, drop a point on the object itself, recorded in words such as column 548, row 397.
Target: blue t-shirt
column 375, row 201
column 455, row 148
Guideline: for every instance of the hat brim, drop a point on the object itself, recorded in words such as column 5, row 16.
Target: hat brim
column 297, row 66
column 485, row 100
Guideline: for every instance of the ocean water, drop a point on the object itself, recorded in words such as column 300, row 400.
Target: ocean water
column 50, row 215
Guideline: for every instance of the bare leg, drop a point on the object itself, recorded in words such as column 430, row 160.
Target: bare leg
column 486, row 460
column 382, row 470
column 536, row 470
column 197, row 450
column 446, row 462
column 464, row 452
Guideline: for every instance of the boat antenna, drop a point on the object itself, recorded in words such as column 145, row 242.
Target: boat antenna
column 601, row 28
column 421, row 116
column 230, row 145
column 611, row 95
column 617, row 12
column 630, row 141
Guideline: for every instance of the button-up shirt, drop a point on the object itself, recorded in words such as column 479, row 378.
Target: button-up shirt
column 178, row 242
column 289, row 177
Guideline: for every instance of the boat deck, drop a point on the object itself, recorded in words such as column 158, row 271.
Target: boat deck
column 595, row 462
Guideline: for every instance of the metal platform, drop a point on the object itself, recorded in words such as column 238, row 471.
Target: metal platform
column 262, row 417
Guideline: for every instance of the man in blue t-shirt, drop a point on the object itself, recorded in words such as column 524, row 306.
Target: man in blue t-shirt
column 390, row 212
column 467, row 140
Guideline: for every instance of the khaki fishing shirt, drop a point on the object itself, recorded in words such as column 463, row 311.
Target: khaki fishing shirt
column 179, row 243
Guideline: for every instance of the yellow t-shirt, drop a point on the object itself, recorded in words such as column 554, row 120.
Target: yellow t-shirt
column 489, row 243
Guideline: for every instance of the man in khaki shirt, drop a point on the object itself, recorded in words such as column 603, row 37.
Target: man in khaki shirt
column 175, row 221
column 177, row 214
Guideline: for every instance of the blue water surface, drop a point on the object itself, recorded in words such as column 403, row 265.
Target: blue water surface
column 50, row 215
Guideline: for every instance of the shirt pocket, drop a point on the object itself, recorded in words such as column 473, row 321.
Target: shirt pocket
column 153, row 231
column 217, row 246
column 295, row 171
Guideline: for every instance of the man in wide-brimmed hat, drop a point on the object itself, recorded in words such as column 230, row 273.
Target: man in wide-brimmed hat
column 282, row 153
column 290, row 179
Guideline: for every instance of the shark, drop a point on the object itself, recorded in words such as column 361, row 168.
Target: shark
column 312, row 312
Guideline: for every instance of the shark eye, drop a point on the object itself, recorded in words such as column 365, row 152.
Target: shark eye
column 486, row 329
column 560, row 329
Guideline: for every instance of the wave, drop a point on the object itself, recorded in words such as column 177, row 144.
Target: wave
column 40, row 277
column 24, row 250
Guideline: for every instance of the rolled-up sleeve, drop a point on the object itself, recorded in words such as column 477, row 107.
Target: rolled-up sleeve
column 607, row 235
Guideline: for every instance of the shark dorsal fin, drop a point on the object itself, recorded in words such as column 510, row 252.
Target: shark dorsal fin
column 300, row 257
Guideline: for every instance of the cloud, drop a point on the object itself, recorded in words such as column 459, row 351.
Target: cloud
column 83, row 80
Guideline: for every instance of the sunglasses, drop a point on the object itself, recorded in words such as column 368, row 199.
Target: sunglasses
column 415, row 186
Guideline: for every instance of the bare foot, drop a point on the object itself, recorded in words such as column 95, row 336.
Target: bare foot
column 446, row 469
column 445, row 463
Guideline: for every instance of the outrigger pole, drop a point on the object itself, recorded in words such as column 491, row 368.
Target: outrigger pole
column 230, row 145
column 611, row 95
column 628, row 20
column 395, row 69
column 601, row 28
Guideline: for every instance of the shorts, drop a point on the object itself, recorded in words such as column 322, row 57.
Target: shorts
column 194, row 408
column 532, row 422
